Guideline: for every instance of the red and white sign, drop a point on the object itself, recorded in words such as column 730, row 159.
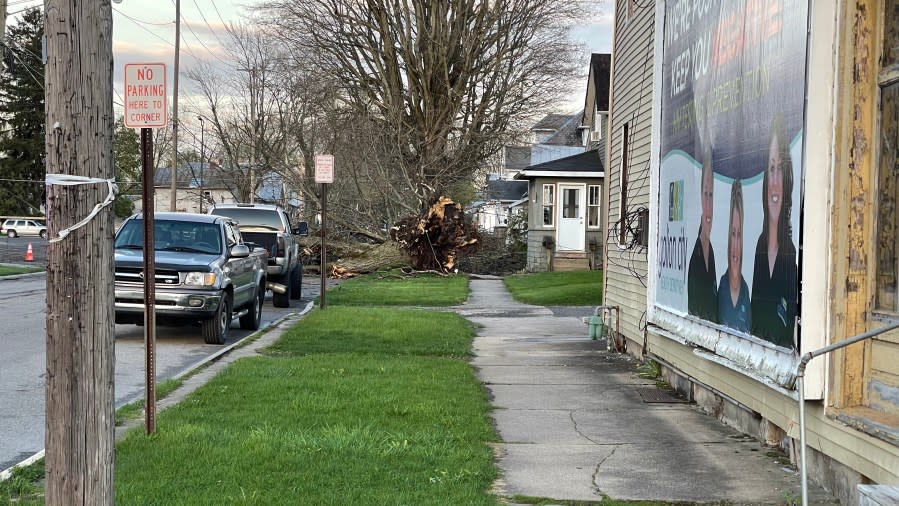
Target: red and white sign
column 146, row 99
column 324, row 168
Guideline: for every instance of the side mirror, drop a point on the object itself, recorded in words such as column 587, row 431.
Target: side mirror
column 240, row 251
column 302, row 229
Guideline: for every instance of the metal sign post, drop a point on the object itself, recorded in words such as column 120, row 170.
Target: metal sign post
column 146, row 108
column 149, row 275
column 324, row 174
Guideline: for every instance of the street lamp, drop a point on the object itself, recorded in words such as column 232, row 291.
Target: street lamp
column 202, row 151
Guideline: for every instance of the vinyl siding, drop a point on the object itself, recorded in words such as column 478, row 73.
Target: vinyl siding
column 631, row 102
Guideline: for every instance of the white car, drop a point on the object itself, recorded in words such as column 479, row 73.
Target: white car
column 14, row 227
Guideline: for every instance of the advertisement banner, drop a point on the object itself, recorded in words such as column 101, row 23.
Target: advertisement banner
column 731, row 164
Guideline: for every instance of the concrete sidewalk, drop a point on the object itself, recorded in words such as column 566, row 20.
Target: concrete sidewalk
column 574, row 425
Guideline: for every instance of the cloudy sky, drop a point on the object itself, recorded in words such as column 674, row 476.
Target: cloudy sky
column 144, row 32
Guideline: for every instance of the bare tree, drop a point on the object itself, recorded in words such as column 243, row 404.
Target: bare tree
column 439, row 86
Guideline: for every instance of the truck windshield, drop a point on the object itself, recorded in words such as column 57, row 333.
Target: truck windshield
column 251, row 217
column 172, row 236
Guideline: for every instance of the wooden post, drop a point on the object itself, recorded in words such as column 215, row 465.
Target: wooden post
column 80, row 356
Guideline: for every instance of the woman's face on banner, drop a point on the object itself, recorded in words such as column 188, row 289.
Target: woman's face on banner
column 775, row 180
column 735, row 245
column 708, row 184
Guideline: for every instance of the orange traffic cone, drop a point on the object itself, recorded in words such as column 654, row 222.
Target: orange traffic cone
column 29, row 255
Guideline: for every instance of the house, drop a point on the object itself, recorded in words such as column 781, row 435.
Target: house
column 565, row 182
column 565, row 213
column 733, row 127
column 595, row 119
column 217, row 186
column 556, row 136
column 193, row 179
column 495, row 208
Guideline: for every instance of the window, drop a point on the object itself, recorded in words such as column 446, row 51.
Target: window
column 622, row 202
column 549, row 204
column 888, row 170
column 571, row 203
column 593, row 206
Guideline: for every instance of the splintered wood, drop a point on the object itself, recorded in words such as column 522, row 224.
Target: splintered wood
column 437, row 238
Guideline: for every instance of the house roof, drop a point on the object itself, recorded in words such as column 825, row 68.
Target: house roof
column 517, row 157
column 601, row 69
column 505, row 190
column 587, row 164
column 565, row 127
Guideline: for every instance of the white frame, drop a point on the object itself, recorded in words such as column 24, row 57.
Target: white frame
column 543, row 204
column 598, row 206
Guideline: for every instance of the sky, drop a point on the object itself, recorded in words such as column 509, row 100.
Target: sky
column 145, row 34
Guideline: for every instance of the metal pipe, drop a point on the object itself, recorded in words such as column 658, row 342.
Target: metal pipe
column 276, row 287
column 617, row 323
column 800, row 386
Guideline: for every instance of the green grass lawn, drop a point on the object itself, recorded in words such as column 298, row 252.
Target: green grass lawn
column 351, row 406
column 579, row 288
column 9, row 270
column 390, row 289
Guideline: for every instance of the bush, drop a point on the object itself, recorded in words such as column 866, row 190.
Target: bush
column 497, row 255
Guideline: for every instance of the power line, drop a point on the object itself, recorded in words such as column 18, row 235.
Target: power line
column 136, row 20
column 144, row 28
column 219, row 13
column 201, row 42
column 214, row 34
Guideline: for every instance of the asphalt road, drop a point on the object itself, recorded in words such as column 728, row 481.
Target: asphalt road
column 13, row 250
column 22, row 359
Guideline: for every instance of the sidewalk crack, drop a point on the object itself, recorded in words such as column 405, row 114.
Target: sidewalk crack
column 578, row 430
column 596, row 471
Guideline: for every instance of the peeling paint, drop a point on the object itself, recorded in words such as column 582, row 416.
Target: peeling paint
column 883, row 396
column 750, row 356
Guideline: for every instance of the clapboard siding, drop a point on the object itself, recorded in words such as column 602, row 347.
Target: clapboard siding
column 631, row 102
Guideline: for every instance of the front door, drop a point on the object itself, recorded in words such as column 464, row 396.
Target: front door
column 571, row 230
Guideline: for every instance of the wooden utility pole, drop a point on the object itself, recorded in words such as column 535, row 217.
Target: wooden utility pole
column 79, row 438
column 174, row 172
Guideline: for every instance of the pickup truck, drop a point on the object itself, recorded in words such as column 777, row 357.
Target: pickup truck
column 269, row 227
column 205, row 274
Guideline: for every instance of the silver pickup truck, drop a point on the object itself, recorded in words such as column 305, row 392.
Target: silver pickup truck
column 269, row 227
column 205, row 274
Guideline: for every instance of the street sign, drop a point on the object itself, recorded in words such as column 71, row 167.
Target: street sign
column 145, row 95
column 324, row 168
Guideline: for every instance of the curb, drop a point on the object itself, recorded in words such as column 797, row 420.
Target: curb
column 21, row 276
column 7, row 473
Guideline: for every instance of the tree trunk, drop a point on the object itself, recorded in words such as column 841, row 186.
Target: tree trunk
column 382, row 256
column 80, row 314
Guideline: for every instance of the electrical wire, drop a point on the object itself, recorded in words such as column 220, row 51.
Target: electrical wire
column 141, row 21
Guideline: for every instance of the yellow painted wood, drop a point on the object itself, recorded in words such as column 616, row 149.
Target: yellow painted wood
column 885, row 357
column 860, row 113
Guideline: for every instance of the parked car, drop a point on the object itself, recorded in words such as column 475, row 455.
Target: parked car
column 269, row 227
column 205, row 273
column 14, row 227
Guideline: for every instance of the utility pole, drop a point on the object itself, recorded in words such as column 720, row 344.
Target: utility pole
column 79, row 440
column 174, row 171
column 255, row 134
column 3, row 4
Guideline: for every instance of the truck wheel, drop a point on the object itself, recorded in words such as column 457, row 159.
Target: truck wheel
column 282, row 299
column 296, row 283
column 253, row 319
column 215, row 330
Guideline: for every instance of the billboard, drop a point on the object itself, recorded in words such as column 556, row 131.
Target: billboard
column 732, row 109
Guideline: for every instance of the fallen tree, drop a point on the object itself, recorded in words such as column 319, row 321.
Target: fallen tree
column 433, row 240
column 437, row 238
